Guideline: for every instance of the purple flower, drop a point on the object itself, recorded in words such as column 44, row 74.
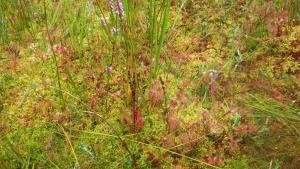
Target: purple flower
column 103, row 21
column 120, row 9
column 112, row 5
column 114, row 30
column 108, row 69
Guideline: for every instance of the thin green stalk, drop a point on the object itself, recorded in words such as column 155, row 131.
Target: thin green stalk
column 106, row 30
column 162, row 36
column 151, row 34
column 177, row 14
column 54, row 57
column 71, row 146
column 270, row 108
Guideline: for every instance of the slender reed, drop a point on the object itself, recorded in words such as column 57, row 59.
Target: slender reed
column 54, row 57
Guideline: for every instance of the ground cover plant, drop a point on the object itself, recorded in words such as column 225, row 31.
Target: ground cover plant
column 150, row 84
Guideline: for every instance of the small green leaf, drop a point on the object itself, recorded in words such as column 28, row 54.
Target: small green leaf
column 236, row 119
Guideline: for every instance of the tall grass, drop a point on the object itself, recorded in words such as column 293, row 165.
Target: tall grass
column 76, row 22
column 127, row 33
column 55, row 60
column 159, row 18
column 268, row 107
column 3, row 28
column 16, row 17
column 124, row 37
column 294, row 6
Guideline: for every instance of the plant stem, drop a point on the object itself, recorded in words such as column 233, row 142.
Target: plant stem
column 162, row 36
column 54, row 57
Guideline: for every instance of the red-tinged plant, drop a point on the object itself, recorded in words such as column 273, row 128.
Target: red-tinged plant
column 183, row 98
column 169, row 141
column 40, row 55
column 135, row 121
column 215, row 160
column 243, row 129
column 92, row 101
column 275, row 21
column 205, row 116
column 173, row 122
column 173, row 105
column 189, row 138
column 157, row 94
column 59, row 49
column 214, row 88
column 233, row 145
column 184, row 85
column 216, row 129
column 276, row 94
column 155, row 162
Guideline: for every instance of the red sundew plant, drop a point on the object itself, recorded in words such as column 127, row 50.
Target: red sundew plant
column 149, row 84
column 172, row 121
column 135, row 120
column 157, row 94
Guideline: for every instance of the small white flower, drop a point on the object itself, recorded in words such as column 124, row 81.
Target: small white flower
column 114, row 30
column 108, row 69
column 213, row 74
column 103, row 22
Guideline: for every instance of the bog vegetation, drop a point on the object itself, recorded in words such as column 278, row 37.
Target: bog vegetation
column 150, row 84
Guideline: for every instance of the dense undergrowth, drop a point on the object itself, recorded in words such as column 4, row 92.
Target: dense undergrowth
column 150, row 84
